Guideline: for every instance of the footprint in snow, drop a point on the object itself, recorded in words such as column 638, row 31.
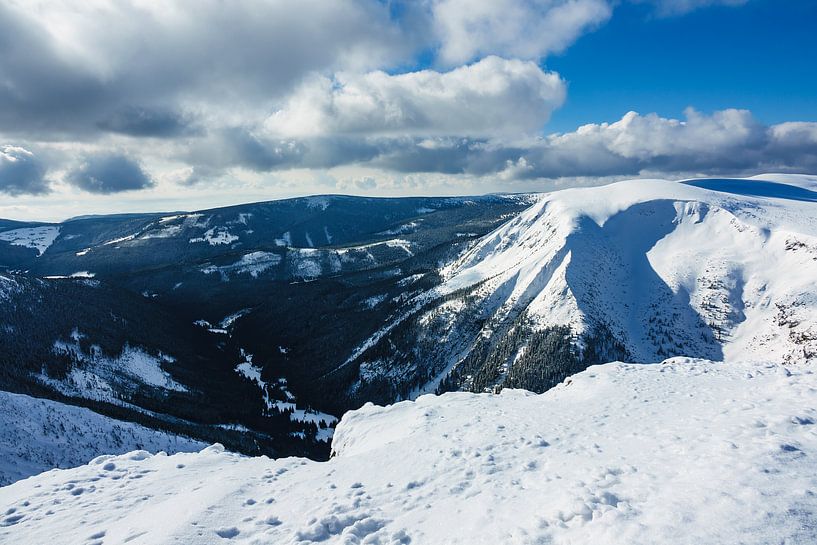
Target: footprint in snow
column 227, row 533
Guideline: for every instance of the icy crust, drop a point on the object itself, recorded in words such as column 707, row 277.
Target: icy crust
column 683, row 452
column 721, row 269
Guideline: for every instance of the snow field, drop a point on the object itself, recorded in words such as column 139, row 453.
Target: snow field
column 683, row 452
column 39, row 238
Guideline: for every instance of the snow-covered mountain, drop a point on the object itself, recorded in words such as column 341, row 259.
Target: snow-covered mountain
column 639, row 270
column 707, row 268
column 682, row 452
column 39, row 434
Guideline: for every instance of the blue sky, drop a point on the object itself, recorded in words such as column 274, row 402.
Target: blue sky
column 761, row 56
column 133, row 105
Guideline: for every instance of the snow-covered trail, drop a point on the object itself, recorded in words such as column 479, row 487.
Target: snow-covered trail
column 684, row 452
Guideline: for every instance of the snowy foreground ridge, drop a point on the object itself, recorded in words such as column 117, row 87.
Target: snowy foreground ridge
column 685, row 451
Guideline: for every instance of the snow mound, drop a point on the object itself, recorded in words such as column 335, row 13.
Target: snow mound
column 683, row 452
column 38, row 434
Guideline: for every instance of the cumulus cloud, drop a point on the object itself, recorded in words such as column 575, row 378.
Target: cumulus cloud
column 21, row 172
column 490, row 97
column 109, row 173
column 728, row 141
column 73, row 65
column 528, row 29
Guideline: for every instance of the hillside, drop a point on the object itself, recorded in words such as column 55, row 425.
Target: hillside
column 686, row 452
column 37, row 435
column 169, row 319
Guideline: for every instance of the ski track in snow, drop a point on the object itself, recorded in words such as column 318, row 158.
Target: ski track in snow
column 683, row 452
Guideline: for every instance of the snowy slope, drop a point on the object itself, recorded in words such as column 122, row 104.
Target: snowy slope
column 39, row 434
column 38, row 238
column 684, row 452
column 721, row 269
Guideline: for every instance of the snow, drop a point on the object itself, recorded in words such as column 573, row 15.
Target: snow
column 404, row 245
column 8, row 286
column 403, row 282
column 147, row 369
column 318, row 203
column 91, row 377
column 405, row 228
column 305, row 262
column 170, row 231
column 373, row 301
column 39, row 238
column 78, row 274
column 285, row 240
column 683, row 452
column 253, row 263
column 39, row 434
column 216, row 236
column 726, row 265
column 228, row 321
column 120, row 239
column 252, row 372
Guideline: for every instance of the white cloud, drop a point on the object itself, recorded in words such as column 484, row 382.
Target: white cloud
column 528, row 29
column 491, row 97
column 730, row 141
column 679, row 7
column 645, row 137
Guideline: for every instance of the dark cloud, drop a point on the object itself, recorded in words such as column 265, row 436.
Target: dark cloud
column 21, row 172
column 159, row 123
column 109, row 173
